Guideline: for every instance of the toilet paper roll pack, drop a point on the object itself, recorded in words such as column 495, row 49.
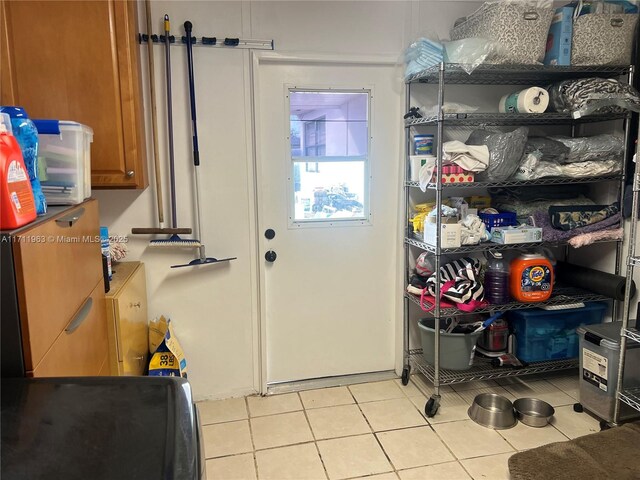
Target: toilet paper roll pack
column 529, row 100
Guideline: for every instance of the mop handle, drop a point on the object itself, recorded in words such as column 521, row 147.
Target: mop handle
column 172, row 170
column 196, row 152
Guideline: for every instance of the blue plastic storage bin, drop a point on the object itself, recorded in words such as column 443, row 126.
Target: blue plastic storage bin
column 551, row 334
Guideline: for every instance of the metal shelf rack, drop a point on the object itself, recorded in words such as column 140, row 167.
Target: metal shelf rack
column 513, row 74
column 632, row 334
column 631, row 397
column 486, row 246
column 448, row 74
column 510, row 119
column 561, row 296
column 483, row 370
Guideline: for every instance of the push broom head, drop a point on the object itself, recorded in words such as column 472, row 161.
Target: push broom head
column 175, row 241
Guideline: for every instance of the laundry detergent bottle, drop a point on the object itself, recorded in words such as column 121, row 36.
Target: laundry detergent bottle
column 26, row 134
column 531, row 278
column 17, row 205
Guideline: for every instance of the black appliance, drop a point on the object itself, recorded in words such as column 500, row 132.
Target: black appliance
column 100, row 428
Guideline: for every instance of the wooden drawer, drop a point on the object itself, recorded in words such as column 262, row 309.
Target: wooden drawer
column 127, row 320
column 58, row 262
column 82, row 347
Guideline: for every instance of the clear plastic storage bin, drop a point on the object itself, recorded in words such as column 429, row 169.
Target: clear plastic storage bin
column 599, row 357
column 65, row 164
column 551, row 334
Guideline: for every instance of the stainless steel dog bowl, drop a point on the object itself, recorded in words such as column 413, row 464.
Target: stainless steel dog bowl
column 492, row 411
column 533, row 411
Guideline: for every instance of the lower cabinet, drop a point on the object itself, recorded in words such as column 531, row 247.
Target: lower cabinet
column 127, row 321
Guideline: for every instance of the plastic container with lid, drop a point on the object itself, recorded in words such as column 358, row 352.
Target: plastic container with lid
column 599, row 356
column 496, row 280
column 543, row 335
column 531, row 278
column 65, row 154
column 17, row 204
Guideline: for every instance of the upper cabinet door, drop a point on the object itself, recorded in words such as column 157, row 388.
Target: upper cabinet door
column 79, row 60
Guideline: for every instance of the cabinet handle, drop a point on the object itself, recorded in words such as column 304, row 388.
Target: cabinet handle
column 68, row 220
column 130, row 174
column 80, row 316
column 135, row 305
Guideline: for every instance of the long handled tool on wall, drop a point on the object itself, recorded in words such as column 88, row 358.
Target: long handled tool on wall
column 202, row 257
column 174, row 240
column 156, row 153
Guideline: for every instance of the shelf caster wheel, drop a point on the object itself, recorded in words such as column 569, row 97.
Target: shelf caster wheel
column 431, row 408
column 405, row 376
column 577, row 407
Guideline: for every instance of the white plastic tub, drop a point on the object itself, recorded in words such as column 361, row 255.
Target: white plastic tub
column 65, row 164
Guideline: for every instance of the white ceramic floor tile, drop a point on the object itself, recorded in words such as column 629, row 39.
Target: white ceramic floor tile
column 340, row 421
column 542, row 390
column 218, row 411
column 380, row 476
column 353, row 456
column 461, row 387
column 375, row 391
column 469, row 395
column 274, row 404
column 326, row 397
column 425, row 386
column 442, row 471
column 410, row 389
column 392, row 414
column 452, row 408
column 467, row 439
column 414, row 447
column 569, row 385
column 229, row 438
column 236, row 467
column 280, row 430
column 523, row 437
column 573, row 424
column 494, row 467
column 297, row 462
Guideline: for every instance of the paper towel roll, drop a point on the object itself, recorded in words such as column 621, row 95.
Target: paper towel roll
column 530, row 100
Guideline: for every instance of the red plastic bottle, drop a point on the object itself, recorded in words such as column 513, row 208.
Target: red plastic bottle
column 17, row 206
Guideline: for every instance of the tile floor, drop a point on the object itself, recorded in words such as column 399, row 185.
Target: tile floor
column 379, row 431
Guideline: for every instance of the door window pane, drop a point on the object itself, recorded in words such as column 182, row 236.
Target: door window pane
column 329, row 140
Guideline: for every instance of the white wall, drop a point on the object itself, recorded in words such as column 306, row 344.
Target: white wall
column 215, row 308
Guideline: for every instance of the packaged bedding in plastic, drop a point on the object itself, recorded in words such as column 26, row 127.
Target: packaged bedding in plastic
column 596, row 147
column 586, row 96
column 505, row 152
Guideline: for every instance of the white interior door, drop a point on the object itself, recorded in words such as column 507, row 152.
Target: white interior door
column 328, row 148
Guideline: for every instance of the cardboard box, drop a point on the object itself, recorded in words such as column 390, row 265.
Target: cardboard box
column 559, row 39
column 450, row 232
column 510, row 235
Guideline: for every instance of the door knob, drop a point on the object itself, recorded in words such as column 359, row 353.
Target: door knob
column 270, row 256
column 269, row 233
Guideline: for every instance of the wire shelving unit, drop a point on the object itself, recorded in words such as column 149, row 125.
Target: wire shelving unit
column 454, row 74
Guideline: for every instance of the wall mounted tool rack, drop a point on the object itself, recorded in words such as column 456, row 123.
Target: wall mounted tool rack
column 211, row 42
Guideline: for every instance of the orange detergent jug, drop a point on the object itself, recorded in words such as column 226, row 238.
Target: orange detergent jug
column 531, row 278
column 17, row 205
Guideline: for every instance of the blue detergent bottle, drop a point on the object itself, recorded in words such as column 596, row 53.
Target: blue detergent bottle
column 27, row 135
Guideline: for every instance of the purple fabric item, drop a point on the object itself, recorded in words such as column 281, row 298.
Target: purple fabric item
column 550, row 234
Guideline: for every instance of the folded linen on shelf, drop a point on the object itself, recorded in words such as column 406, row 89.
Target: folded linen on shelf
column 473, row 230
column 570, row 217
column 549, row 234
column 589, row 238
column 473, row 158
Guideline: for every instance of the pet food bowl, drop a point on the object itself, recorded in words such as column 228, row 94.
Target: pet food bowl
column 533, row 411
column 492, row 411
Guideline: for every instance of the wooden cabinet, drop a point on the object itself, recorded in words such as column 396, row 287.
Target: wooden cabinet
column 127, row 319
column 53, row 319
column 79, row 60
